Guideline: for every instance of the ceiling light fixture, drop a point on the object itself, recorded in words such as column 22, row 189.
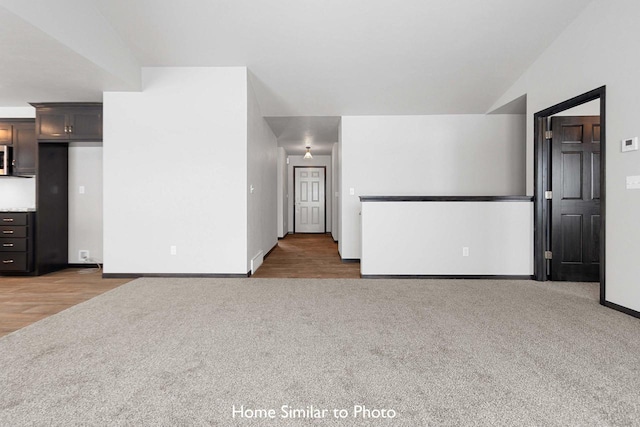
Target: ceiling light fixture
column 308, row 155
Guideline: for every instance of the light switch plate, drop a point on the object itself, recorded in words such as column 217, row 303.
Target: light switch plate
column 352, row 191
column 630, row 144
column 633, row 182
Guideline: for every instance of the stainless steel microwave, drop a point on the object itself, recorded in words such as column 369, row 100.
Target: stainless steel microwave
column 5, row 160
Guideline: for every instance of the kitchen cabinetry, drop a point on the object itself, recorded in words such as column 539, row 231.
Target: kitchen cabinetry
column 16, row 242
column 66, row 122
column 21, row 135
column 58, row 125
column 6, row 133
column 24, row 149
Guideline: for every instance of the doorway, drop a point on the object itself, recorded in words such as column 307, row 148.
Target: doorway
column 552, row 166
column 309, row 207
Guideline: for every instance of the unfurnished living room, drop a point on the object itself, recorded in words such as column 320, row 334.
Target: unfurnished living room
column 340, row 213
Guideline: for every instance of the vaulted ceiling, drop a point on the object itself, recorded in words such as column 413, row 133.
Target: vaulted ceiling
column 305, row 57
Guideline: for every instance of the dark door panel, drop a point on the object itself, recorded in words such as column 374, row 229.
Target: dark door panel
column 575, row 206
column 86, row 125
column 52, row 125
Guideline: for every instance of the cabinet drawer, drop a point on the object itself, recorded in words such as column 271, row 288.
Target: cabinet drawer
column 13, row 245
column 10, row 261
column 10, row 231
column 13, row 218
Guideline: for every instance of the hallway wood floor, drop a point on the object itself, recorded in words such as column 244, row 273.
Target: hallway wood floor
column 25, row 300
column 307, row 256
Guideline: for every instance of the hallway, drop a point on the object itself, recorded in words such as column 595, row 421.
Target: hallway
column 307, row 256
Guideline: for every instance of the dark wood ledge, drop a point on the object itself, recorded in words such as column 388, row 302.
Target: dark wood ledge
column 65, row 104
column 446, row 198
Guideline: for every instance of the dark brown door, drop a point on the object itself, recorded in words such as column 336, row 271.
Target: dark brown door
column 575, row 206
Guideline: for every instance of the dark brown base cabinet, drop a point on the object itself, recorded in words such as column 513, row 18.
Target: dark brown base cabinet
column 21, row 135
column 17, row 231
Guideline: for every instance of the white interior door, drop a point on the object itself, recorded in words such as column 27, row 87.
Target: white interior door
column 309, row 207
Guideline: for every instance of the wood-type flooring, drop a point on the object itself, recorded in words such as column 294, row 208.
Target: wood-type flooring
column 25, row 300
column 307, row 256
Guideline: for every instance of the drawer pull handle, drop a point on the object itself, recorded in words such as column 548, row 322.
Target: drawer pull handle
column 8, row 261
column 7, row 232
column 7, row 245
column 7, row 219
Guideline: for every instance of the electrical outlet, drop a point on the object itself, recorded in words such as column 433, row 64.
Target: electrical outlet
column 465, row 251
column 83, row 255
column 174, row 250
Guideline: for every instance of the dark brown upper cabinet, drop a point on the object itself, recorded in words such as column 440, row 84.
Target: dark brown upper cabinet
column 21, row 135
column 6, row 133
column 66, row 122
column 24, row 150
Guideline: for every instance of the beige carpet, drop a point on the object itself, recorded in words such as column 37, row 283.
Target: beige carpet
column 428, row 352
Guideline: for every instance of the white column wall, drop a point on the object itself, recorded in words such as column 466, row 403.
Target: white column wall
column 335, row 199
column 282, row 193
column 262, row 195
column 175, row 173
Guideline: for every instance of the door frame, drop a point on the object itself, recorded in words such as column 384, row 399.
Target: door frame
column 325, row 196
column 542, row 179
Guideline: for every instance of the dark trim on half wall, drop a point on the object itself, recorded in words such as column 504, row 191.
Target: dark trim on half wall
column 622, row 309
column 173, row 275
column 85, row 265
column 446, row 198
column 350, row 260
column 445, row 276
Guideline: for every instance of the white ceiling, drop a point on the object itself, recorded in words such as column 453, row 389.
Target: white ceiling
column 37, row 68
column 306, row 58
column 296, row 133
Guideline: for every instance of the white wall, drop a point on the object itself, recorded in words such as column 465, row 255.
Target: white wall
column 17, row 192
column 335, row 198
column 591, row 108
column 427, row 238
column 315, row 161
column 283, row 222
column 459, row 155
column 262, row 201
column 339, row 189
column 85, row 210
column 580, row 60
column 82, row 28
column 18, row 112
column 175, row 173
